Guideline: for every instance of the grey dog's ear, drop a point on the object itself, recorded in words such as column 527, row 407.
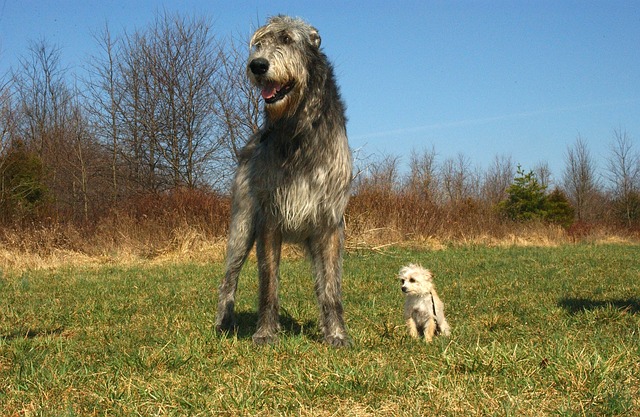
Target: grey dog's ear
column 314, row 37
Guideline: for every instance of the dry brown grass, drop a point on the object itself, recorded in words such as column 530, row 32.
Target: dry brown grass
column 192, row 226
column 57, row 247
column 22, row 250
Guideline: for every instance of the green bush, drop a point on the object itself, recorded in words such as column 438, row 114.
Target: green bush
column 558, row 209
column 22, row 188
column 527, row 200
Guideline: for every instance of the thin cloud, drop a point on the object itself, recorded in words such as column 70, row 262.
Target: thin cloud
column 485, row 120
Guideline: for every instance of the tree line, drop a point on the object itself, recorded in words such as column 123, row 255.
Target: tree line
column 584, row 194
column 159, row 109
column 165, row 109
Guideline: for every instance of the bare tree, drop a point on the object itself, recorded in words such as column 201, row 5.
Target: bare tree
column 43, row 96
column 44, row 100
column 104, row 96
column 422, row 179
column 183, row 59
column 579, row 180
column 623, row 165
column 136, row 101
column 194, row 105
column 459, row 181
column 497, row 179
column 80, row 161
column 172, row 104
column 52, row 125
column 382, row 175
column 543, row 174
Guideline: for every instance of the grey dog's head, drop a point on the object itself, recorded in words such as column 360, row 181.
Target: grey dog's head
column 415, row 280
column 281, row 54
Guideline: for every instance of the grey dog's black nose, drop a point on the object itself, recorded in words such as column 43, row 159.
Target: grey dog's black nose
column 259, row 66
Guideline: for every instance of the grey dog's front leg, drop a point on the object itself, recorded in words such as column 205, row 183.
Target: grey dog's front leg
column 241, row 239
column 326, row 253
column 268, row 248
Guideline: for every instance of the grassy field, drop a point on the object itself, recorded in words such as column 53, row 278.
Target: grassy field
column 536, row 331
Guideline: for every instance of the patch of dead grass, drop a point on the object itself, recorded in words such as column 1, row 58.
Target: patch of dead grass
column 130, row 243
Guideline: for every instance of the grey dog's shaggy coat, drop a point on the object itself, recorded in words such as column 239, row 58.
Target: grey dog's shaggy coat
column 293, row 179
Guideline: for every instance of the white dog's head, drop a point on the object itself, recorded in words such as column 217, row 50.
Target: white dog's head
column 415, row 280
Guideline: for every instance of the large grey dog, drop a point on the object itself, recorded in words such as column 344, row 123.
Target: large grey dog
column 293, row 179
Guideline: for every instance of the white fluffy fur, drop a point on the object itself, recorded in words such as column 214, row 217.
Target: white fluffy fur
column 421, row 300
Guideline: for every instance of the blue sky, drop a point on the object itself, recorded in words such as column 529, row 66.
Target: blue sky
column 483, row 78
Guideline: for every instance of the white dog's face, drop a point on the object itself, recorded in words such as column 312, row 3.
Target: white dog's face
column 415, row 280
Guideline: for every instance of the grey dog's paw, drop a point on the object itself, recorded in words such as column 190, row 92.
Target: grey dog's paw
column 338, row 341
column 226, row 325
column 265, row 338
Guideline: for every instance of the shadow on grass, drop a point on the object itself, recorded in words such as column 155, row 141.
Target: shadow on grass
column 31, row 333
column 579, row 305
column 247, row 322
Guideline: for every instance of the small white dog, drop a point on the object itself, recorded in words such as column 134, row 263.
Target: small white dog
column 423, row 309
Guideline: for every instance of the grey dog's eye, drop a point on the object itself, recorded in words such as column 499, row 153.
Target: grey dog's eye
column 286, row 39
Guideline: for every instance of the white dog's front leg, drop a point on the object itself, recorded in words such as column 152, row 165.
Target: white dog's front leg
column 429, row 330
column 413, row 329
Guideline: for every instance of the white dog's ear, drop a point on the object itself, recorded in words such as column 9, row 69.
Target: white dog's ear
column 426, row 273
column 403, row 271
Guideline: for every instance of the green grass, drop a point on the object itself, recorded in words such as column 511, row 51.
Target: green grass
column 536, row 331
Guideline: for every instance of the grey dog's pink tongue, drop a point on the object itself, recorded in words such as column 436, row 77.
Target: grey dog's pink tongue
column 270, row 91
